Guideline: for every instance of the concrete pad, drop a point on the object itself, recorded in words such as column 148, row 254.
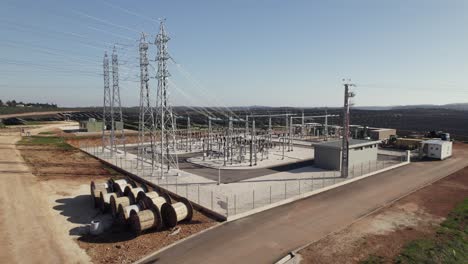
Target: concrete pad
column 275, row 158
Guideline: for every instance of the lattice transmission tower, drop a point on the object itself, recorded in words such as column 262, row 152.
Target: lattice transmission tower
column 116, row 108
column 146, row 128
column 106, row 108
column 165, row 116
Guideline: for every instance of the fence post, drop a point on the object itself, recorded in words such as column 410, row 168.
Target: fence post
column 312, row 182
column 235, row 204
column 323, row 180
column 285, row 189
column 299, row 186
column 270, row 194
column 253, row 199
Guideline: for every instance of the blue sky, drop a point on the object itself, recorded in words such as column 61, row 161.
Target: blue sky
column 231, row 53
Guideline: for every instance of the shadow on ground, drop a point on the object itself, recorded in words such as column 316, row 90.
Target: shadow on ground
column 80, row 210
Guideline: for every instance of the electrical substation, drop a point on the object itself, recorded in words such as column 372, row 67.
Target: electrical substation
column 233, row 132
column 229, row 163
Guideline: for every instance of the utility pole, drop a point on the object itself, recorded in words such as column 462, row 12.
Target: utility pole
column 287, row 130
column 106, row 109
column 254, row 140
column 291, row 135
column 269, row 136
column 189, row 135
column 116, row 103
column 224, row 142
column 246, row 126
column 269, row 125
column 345, row 142
column 302, row 125
column 209, row 137
column 325, row 131
column 230, row 140
column 146, row 127
column 165, row 115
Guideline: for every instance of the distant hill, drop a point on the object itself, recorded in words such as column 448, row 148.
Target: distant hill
column 457, row 106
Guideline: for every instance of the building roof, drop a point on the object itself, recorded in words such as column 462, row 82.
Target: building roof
column 436, row 141
column 382, row 129
column 353, row 143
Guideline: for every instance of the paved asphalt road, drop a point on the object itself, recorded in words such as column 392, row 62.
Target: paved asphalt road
column 267, row 236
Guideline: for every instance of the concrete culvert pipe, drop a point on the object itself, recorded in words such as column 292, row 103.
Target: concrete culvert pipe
column 174, row 213
column 116, row 201
column 133, row 192
column 104, row 202
column 146, row 219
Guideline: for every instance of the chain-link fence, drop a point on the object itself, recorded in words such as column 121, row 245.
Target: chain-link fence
column 239, row 197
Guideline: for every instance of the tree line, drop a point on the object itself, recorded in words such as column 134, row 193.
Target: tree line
column 14, row 103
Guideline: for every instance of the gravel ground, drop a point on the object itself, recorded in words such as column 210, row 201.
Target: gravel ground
column 120, row 246
column 65, row 176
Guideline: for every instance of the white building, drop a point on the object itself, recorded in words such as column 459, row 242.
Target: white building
column 327, row 155
column 437, row 149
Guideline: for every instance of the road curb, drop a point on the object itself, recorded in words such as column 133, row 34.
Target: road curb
column 295, row 253
column 311, row 193
column 146, row 258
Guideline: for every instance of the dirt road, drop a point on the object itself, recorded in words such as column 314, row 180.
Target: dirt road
column 34, row 114
column 28, row 231
column 268, row 236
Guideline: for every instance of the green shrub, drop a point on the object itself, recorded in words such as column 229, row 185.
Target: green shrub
column 51, row 141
